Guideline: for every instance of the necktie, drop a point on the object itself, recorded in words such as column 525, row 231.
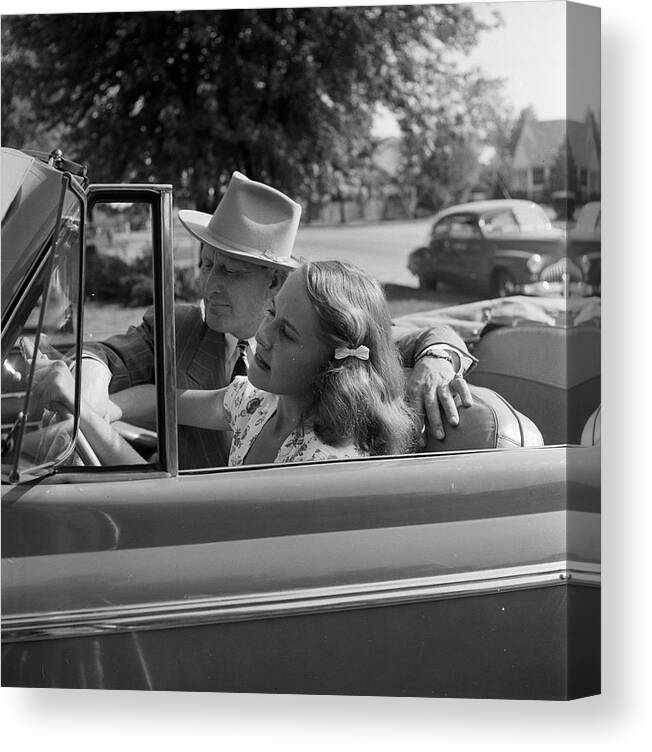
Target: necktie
column 240, row 366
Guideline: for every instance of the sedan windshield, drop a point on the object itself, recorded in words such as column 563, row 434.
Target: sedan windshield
column 516, row 219
column 531, row 218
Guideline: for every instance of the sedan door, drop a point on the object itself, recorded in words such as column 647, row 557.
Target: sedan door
column 425, row 575
column 459, row 246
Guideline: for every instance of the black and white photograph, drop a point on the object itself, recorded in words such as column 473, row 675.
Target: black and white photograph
column 301, row 350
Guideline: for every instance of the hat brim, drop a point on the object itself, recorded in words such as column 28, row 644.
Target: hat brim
column 197, row 224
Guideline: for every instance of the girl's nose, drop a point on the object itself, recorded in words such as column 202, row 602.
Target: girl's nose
column 263, row 335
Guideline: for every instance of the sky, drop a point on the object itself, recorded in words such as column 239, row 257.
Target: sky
column 529, row 53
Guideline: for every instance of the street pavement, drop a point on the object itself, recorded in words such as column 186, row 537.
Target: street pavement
column 382, row 249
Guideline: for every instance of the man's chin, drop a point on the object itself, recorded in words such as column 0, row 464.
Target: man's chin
column 217, row 323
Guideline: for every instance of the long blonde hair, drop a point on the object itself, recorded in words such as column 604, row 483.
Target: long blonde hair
column 359, row 400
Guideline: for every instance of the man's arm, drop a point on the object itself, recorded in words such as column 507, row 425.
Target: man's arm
column 54, row 389
column 439, row 359
column 412, row 343
column 123, row 361
column 129, row 356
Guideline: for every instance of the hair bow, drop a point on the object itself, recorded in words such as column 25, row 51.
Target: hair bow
column 362, row 353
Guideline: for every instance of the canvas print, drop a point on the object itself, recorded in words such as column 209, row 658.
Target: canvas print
column 301, row 350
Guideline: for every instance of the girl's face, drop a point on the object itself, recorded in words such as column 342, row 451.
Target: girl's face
column 289, row 352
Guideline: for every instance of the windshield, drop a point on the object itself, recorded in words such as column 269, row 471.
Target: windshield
column 42, row 328
column 531, row 218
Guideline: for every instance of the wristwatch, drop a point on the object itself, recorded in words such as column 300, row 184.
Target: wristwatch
column 436, row 351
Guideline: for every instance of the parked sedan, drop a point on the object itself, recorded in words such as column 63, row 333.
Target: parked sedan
column 584, row 244
column 496, row 248
column 470, row 569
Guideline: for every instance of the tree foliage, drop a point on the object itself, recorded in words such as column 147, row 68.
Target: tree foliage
column 286, row 95
column 455, row 137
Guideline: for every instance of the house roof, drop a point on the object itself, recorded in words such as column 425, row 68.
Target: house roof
column 541, row 141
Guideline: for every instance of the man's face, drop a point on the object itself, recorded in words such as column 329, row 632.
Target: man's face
column 236, row 293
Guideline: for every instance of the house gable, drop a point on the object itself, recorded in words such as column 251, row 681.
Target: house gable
column 539, row 144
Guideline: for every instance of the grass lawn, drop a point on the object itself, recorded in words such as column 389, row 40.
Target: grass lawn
column 102, row 320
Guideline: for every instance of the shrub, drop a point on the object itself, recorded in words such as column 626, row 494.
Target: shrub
column 186, row 284
column 111, row 279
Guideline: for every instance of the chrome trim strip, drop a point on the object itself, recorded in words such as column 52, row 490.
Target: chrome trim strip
column 216, row 610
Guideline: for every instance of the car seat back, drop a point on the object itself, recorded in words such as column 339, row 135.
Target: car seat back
column 550, row 373
column 491, row 423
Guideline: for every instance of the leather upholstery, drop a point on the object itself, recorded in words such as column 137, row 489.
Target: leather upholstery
column 491, row 423
column 550, row 373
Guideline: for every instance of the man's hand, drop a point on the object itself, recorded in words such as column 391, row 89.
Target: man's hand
column 433, row 386
column 53, row 389
column 96, row 378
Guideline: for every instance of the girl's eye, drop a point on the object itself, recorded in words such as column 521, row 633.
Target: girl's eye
column 284, row 332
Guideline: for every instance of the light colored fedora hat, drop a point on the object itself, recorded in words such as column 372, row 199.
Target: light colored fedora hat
column 252, row 222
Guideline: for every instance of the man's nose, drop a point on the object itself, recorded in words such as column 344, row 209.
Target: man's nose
column 214, row 281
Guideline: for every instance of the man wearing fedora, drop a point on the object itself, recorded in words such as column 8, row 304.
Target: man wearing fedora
column 246, row 254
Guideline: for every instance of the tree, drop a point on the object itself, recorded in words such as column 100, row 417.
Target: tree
column 449, row 128
column 286, row 95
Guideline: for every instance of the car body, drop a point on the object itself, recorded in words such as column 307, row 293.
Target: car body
column 470, row 572
column 497, row 248
column 584, row 243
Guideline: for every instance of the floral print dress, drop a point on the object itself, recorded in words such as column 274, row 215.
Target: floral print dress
column 248, row 409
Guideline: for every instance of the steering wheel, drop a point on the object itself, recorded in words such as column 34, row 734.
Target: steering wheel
column 47, row 435
column 51, row 439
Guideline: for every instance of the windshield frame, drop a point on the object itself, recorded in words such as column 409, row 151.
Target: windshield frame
column 76, row 203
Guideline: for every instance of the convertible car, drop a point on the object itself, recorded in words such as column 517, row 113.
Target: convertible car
column 469, row 569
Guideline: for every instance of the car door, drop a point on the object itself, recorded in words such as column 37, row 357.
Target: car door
column 426, row 574
column 469, row 249
column 440, row 245
column 460, row 249
column 362, row 577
